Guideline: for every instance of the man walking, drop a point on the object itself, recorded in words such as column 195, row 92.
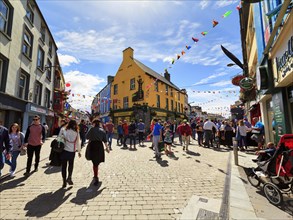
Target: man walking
column 109, row 127
column 208, row 132
column 34, row 138
column 141, row 131
column 157, row 135
column 5, row 146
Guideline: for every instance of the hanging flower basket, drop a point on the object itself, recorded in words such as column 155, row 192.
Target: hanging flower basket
column 237, row 79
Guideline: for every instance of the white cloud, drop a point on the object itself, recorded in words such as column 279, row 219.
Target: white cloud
column 220, row 4
column 204, row 3
column 84, row 86
column 222, row 83
column 67, row 60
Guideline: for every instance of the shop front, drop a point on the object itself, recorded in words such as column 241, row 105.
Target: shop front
column 11, row 110
column 282, row 65
column 46, row 115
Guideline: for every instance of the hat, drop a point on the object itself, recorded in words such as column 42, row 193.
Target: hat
column 184, row 120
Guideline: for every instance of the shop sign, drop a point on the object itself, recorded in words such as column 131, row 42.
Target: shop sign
column 121, row 114
column 246, row 83
column 162, row 114
column 285, row 62
column 37, row 109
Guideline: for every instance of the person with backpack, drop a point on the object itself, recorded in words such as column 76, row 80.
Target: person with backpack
column 132, row 134
column 71, row 136
column 35, row 137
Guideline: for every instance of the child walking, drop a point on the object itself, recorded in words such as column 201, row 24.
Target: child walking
column 168, row 140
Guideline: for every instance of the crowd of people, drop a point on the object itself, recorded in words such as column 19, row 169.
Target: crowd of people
column 208, row 133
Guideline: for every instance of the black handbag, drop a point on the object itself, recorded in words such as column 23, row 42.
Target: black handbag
column 88, row 152
column 57, row 146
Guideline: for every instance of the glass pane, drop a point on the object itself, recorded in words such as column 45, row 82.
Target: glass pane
column 3, row 10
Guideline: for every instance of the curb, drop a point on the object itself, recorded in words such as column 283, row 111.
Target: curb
column 240, row 204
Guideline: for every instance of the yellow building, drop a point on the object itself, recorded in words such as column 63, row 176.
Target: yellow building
column 138, row 92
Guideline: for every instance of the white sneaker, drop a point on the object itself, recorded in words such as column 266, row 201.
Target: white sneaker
column 12, row 173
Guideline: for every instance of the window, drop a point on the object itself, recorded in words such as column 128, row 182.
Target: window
column 171, row 93
column 30, row 12
column 50, row 48
column 132, row 84
column 3, row 72
column 49, row 70
column 4, row 16
column 178, row 109
column 125, row 102
column 167, row 89
column 43, row 33
column 158, row 101
column 156, row 86
column 40, row 61
column 182, row 108
column 167, row 103
column 47, row 98
column 115, row 89
column 38, row 93
column 172, row 105
column 23, row 85
column 179, row 96
column 27, row 43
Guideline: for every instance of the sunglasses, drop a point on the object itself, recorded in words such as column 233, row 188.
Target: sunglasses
column 35, row 119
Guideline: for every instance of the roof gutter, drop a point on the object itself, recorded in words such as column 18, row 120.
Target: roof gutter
column 276, row 27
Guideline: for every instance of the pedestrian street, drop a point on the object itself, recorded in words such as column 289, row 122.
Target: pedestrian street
column 133, row 185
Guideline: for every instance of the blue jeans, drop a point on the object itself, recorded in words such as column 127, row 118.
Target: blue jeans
column 109, row 138
column 15, row 155
column 242, row 139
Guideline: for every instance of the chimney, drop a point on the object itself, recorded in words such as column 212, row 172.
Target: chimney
column 167, row 75
column 110, row 79
column 128, row 53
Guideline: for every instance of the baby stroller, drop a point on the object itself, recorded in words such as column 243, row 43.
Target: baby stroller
column 276, row 173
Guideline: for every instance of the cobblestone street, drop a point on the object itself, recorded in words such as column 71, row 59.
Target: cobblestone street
column 133, row 186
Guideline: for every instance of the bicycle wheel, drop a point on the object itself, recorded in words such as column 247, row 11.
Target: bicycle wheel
column 273, row 194
column 253, row 179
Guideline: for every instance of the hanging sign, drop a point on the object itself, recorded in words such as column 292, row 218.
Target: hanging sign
column 246, row 83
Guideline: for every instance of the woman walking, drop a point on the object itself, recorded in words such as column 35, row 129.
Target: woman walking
column 17, row 141
column 241, row 132
column 96, row 137
column 71, row 137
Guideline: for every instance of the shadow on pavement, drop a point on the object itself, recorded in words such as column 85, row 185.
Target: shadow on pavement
column 189, row 152
column 52, row 169
column 11, row 184
column 46, row 203
column 86, row 193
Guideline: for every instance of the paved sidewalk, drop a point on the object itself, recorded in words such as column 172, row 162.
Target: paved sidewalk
column 259, row 206
column 134, row 185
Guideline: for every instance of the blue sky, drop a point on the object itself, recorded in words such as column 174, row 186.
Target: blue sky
column 91, row 36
